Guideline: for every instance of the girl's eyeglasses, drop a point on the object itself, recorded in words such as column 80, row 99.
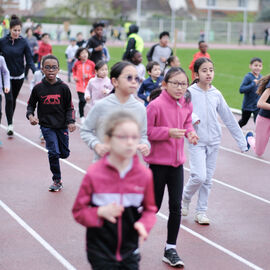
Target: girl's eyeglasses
column 178, row 84
column 51, row 67
column 130, row 78
column 125, row 137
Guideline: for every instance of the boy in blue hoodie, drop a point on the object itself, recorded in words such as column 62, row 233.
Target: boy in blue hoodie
column 249, row 87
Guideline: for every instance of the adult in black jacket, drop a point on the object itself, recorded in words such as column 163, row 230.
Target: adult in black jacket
column 96, row 43
column 15, row 49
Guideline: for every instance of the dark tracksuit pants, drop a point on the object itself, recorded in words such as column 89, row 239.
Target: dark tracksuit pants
column 245, row 117
column 82, row 103
column 57, row 146
column 173, row 177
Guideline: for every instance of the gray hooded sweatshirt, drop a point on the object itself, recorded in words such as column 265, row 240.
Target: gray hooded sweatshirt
column 92, row 131
column 207, row 105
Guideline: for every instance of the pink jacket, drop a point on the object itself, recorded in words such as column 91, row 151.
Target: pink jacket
column 164, row 113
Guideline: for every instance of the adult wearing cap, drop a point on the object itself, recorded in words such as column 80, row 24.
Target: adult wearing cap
column 96, row 43
column 134, row 42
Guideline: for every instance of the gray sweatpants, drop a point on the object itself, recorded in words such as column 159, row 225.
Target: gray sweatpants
column 202, row 161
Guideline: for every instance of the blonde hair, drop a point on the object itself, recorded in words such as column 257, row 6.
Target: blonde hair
column 118, row 118
column 262, row 83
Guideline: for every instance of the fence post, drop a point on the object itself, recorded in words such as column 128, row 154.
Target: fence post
column 229, row 32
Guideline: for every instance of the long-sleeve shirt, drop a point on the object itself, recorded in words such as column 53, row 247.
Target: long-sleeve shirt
column 92, row 131
column 207, row 105
column 196, row 56
column 44, row 49
column 71, row 51
column 164, row 113
column 4, row 73
column 83, row 72
column 55, row 108
column 103, row 185
column 248, row 88
column 98, row 88
column 15, row 52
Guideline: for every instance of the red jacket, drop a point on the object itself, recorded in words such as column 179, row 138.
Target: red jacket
column 44, row 49
column 196, row 56
column 102, row 185
column 83, row 72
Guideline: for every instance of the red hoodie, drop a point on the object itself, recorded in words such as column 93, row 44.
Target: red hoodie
column 103, row 185
column 44, row 49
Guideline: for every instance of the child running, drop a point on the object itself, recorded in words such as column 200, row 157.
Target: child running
column 55, row 116
column 263, row 119
column 208, row 103
column 125, row 81
column 136, row 59
column 166, row 135
column 172, row 61
column 83, row 70
column 4, row 83
column 116, row 199
column 100, row 86
column 249, row 87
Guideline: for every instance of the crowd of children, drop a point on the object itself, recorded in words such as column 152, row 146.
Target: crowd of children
column 118, row 191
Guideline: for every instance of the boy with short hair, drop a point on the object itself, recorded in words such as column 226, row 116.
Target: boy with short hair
column 70, row 55
column 202, row 53
column 55, row 116
column 249, row 88
column 161, row 52
column 44, row 48
column 152, row 82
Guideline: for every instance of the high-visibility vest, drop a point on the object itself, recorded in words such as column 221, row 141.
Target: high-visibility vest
column 139, row 45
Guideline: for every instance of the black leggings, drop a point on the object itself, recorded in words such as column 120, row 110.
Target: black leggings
column 82, row 103
column 173, row 177
column 245, row 117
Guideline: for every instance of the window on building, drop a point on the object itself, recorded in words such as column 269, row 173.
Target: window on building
column 211, row 3
column 242, row 3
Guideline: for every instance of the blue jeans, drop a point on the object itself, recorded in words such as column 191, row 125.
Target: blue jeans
column 57, row 146
column 70, row 66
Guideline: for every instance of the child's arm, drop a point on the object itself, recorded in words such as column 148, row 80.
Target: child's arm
column 70, row 115
column 6, row 75
column 247, row 85
column 229, row 120
column 262, row 101
column 148, row 218
column 74, row 71
column 88, row 91
column 30, row 113
column 141, row 92
column 29, row 58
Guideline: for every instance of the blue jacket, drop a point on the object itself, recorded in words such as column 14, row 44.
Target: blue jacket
column 249, row 88
column 14, row 53
column 147, row 87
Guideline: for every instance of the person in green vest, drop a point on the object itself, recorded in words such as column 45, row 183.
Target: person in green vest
column 134, row 42
column 126, row 27
column 1, row 30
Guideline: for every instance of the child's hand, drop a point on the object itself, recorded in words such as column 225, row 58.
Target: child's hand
column 139, row 227
column 71, row 127
column 105, row 91
column 110, row 212
column 75, row 79
column 87, row 98
column 148, row 99
column 6, row 90
column 144, row 149
column 177, row 133
column 256, row 81
column 33, row 120
column 192, row 137
column 163, row 59
column 101, row 149
column 98, row 48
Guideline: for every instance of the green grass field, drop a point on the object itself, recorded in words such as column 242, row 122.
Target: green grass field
column 230, row 67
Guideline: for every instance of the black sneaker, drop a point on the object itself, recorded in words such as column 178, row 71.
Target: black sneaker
column 56, row 186
column 171, row 257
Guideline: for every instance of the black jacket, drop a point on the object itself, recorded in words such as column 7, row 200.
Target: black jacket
column 14, row 52
column 55, row 108
column 92, row 43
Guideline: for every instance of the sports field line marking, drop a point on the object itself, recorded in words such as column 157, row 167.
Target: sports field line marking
column 201, row 237
column 221, row 147
column 215, row 245
column 31, row 231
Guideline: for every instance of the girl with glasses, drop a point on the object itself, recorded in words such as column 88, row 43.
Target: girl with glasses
column 112, row 191
column 169, row 121
column 125, row 81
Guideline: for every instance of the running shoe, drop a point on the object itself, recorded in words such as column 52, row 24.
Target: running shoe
column 10, row 130
column 202, row 219
column 249, row 134
column 172, row 258
column 56, row 186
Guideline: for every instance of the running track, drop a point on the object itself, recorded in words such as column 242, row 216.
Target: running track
column 37, row 230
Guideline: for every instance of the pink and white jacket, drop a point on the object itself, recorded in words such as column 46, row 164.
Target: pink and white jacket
column 165, row 113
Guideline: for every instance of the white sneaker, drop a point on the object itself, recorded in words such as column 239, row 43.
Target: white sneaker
column 10, row 130
column 185, row 207
column 202, row 219
column 82, row 120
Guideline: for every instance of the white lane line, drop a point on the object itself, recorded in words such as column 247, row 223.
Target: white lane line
column 201, row 237
column 44, row 243
column 237, row 189
column 221, row 147
column 215, row 245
